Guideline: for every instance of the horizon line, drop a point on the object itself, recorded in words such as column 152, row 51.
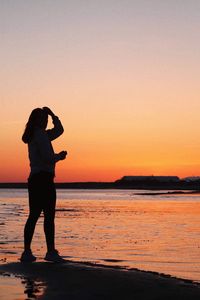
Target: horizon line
column 99, row 181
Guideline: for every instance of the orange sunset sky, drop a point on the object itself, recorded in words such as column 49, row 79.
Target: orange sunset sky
column 123, row 76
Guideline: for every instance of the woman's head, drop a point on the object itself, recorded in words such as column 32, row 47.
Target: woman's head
column 38, row 118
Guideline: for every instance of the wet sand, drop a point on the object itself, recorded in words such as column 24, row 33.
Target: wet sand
column 76, row 281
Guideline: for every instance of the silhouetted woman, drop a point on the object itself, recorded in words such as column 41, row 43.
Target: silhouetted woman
column 41, row 188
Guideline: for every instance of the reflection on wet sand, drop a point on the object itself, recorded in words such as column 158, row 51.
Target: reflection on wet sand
column 15, row 287
column 33, row 289
column 79, row 281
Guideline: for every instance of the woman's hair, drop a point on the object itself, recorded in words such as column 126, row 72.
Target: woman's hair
column 38, row 118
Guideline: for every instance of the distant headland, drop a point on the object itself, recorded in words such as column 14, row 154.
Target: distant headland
column 126, row 182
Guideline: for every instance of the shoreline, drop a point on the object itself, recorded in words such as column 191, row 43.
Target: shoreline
column 76, row 280
column 190, row 186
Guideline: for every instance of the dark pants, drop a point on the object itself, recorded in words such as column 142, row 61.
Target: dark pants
column 42, row 197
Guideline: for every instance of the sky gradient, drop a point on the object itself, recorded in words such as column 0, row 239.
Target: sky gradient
column 123, row 76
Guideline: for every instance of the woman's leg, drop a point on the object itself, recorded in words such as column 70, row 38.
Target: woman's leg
column 29, row 230
column 49, row 227
column 35, row 209
column 49, row 213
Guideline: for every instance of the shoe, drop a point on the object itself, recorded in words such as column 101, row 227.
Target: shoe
column 54, row 256
column 27, row 256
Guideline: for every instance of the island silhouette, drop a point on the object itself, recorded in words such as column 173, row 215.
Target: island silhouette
column 126, row 182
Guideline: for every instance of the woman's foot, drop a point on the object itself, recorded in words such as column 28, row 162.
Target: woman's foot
column 54, row 256
column 27, row 256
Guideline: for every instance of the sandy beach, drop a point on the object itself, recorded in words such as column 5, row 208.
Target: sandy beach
column 86, row 281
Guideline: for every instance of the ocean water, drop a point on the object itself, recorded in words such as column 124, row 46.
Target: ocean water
column 158, row 233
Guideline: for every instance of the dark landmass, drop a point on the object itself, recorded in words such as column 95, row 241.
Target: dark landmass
column 170, row 193
column 195, row 186
column 77, row 281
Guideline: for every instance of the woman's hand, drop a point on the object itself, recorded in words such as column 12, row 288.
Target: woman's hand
column 63, row 155
column 48, row 111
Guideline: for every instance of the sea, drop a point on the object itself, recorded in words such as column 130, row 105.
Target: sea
column 133, row 229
